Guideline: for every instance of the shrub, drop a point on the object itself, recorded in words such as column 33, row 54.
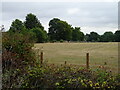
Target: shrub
column 16, row 50
column 68, row 77
column 61, row 40
column 41, row 35
column 17, row 54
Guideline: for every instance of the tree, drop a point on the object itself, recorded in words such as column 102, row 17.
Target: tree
column 107, row 37
column 53, row 29
column 32, row 22
column 117, row 36
column 59, row 29
column 77, row 35
column 93, row 36
column 16, row 26
column 87, row 37
column 40, row 34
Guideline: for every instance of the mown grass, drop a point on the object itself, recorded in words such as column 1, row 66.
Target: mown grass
column 75, row 53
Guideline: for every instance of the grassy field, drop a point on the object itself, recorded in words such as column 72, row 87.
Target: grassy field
column 75, row 53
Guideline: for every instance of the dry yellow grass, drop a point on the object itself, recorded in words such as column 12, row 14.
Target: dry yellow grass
column 75, row 53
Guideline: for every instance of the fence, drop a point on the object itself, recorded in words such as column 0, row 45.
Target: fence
column 87, row 59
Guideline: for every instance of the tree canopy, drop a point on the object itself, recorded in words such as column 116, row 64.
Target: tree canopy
column 93, row 37
column 40, row 34
column 32, row 21
column 107, row 37
column 117, row 36
column 77, row 35
column 16, row 26
column 59, row 29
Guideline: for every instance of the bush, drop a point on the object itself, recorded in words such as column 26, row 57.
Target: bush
column 16, row 50
column 58, row 77
column 52, row 76
column 41, row 35
column 61, row 40
column 17, row 54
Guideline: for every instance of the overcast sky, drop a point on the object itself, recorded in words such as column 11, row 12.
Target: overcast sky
column 90, row 16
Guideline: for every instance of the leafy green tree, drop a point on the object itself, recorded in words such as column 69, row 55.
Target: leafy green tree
column 32, row 22
column 117, row 36
column 59, row 29
column 77, row 35
column 53, row 29
column 64, row 31
column 87, row 37
column 107, row 37
column 16, row 26
column 92, row 37
column 40, row 34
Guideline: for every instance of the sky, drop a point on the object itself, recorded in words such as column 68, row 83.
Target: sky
column 90, row 16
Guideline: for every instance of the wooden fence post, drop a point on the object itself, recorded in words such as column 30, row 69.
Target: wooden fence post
column 41, row 57
column 65, row 62
column 87, row 60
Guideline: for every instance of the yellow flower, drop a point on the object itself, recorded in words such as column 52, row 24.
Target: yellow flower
column 81, row 81
column 90, row 82
column 91, row 85
column 97, row 84
column 104, row 82
column 57, row 84
column 84, row 84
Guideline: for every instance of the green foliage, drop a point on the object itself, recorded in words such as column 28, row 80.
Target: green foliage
column 77, row 35
column 17, row 50
column 53, row 29
column 32, row 27
column 59, row 29
column 51, row 76
column 61, row 40
column 107, row 37
column 17, row 26
column 92, row 37
column 117, row 36
column 17, row 54
column 41, row 35
column 58, row 77
column 32, row 22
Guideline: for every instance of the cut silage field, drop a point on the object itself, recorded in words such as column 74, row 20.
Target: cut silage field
column 101, row 54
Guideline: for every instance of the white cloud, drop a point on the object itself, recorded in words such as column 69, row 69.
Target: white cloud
column 73, row 10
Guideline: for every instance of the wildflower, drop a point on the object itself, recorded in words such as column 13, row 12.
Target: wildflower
column 57, row 84
column 83, row 84
column 90, row 82
column 81, row 81
column 97, row 84
column 69, row 81
column 91, row 85
column 104, row 82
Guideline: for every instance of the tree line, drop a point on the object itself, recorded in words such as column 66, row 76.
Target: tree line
column 58, row 30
